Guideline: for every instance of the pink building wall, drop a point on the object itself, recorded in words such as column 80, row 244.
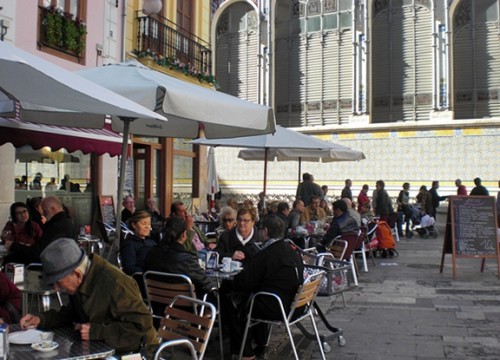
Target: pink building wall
column 26, row 32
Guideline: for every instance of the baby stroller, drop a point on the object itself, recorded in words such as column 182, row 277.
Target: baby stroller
column 424, row 225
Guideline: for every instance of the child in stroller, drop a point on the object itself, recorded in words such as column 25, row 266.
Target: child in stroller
column 423, row 223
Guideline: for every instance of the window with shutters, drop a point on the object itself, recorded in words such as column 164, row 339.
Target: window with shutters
column 313, row 62
column 476, row 53
column 237, row 49
column 402, row 65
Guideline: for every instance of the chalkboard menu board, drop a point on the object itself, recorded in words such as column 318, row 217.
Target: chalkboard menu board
column 474, row 225
column 107, row 210
column 471, row 230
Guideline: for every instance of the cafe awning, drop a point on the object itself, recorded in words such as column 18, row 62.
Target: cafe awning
column 21, row 133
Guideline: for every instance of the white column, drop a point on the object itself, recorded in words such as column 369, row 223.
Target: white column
column 7, row 156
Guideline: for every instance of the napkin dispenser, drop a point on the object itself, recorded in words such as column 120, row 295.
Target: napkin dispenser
column 15, row 272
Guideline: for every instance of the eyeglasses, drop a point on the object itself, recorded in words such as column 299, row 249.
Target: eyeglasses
column 244, row 220
column 227, row 220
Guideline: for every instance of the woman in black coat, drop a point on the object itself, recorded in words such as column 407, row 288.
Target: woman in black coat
column 171, row 256
column 240, row 243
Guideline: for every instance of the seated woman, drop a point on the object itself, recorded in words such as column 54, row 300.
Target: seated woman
column 136, row 246
column 240, row 242
column 10, row 301
column 227, row 220
column 172, row 257
column 21, row 230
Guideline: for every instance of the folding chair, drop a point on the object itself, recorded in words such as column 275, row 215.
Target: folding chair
column 304, row 298
column 161, row 288
column 392, row 220
column 181, row 327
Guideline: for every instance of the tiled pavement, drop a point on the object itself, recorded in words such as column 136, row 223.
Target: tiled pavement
column 405, row 309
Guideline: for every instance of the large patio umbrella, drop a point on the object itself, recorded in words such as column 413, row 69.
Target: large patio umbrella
column 188, row 107
column 39, row 91
column 285, row 145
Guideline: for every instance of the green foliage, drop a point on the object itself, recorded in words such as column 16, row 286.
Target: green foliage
column 62, row 31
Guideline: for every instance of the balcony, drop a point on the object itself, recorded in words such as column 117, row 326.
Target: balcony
column 62, row 32
column 174, row 47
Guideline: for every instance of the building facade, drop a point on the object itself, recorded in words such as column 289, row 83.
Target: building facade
column 414, row 84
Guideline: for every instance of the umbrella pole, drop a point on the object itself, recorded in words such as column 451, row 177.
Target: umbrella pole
column 265, row 170
column 119, row 196
column 300, row 167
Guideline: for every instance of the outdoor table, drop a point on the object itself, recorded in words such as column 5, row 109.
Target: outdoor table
column 38, row 293
column 219, row 275
column 90, row 244
column 71, row 346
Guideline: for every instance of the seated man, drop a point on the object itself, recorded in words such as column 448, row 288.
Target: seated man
column 104, row 303
column 128, row 208
column 196, row 239
column 276, row 269
column 313, row 212
column 342, row 223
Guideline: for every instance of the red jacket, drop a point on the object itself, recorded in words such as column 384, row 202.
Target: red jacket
column 9, row 293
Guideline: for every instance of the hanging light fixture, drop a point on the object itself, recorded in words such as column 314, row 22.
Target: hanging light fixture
column 150, row 7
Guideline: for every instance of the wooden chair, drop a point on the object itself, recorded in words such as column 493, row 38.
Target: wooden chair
column 181, row 327
column 161, row 288
column 304, row 298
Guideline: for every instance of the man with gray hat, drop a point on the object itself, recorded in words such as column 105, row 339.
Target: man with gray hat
column 104, row 303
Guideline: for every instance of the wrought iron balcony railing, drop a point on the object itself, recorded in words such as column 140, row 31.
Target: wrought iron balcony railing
column 165, row 39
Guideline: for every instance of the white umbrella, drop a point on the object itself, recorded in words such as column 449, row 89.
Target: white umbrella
column 43, row 92
column 188, row 107
column 285, row 145
column 212, row 179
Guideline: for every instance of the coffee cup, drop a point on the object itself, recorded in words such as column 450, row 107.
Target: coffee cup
column 226, row 264
column 236, row 265
column 47, row 338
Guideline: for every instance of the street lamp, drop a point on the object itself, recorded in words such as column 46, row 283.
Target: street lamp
column 150, row 7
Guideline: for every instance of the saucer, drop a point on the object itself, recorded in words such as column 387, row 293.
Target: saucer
column 38, row 346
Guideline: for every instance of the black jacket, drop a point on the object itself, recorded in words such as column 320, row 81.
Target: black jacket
column 174, row 258
column 229, row 243
column 58, row 226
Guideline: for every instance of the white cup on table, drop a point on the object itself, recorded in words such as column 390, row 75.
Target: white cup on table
column 226, row 264
column 47, row 337
column 236, row 265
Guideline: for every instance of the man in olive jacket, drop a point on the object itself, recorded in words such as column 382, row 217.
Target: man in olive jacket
column 104, row 303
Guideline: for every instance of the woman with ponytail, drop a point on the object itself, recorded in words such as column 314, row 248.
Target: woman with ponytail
column 171, row 256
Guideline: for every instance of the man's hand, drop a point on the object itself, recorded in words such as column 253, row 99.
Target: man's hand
column 29, row 321
column 84, row 330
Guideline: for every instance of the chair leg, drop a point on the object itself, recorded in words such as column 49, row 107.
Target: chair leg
column 318, row 339
column 365, row 263
column 354, row 274
column 269, row 329
column 245, row 333
column 289, row 331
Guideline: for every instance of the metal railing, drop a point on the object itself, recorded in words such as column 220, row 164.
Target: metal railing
column 163, row 37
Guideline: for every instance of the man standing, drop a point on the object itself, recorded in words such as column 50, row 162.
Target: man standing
column 346, row 191
column 104, row 303
column 479, row 190
column 308, row 188
column 461, row 190
column 58, row 225
column 436, row 199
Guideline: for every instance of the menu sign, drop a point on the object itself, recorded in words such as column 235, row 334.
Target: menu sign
column 471, row 230
column 107, row 210
column 474, row 225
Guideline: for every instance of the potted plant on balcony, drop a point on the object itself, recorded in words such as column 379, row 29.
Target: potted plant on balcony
column 53, row 24
column 63, row 31
column 74, row 34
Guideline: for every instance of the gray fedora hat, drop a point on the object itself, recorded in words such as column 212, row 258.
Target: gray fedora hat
column 60, row 258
